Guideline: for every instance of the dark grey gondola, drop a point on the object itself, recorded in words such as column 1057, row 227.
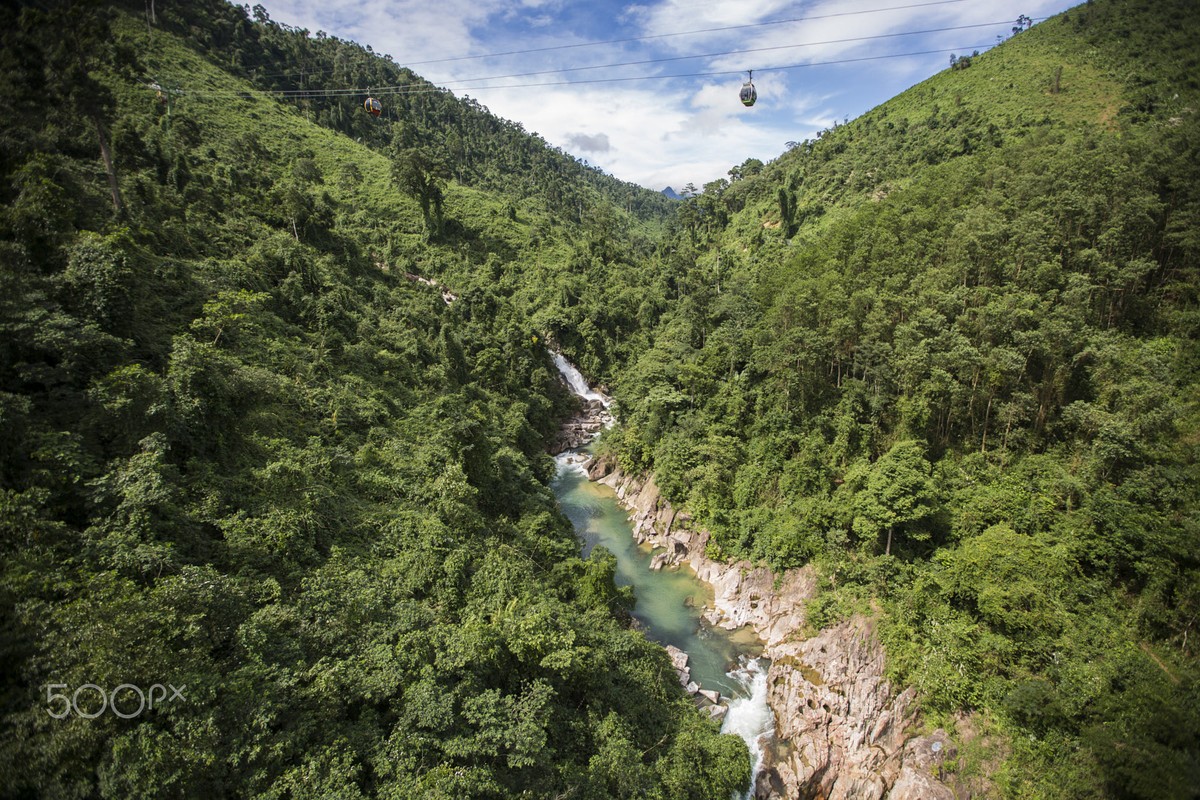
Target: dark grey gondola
column 748, row 95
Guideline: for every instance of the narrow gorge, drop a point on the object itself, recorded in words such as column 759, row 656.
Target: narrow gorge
column 884, row 486
column 719, row 667
column 816, row 711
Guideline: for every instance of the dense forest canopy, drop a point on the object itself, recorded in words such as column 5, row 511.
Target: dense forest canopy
column 246, row 454
column 947, row 353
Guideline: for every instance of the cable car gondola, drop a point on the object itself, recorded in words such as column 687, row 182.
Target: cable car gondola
column 748, row 95
column 372, row 106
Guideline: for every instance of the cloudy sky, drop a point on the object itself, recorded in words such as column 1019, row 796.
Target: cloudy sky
column 648, row 90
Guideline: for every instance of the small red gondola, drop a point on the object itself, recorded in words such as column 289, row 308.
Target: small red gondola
column 373, row 106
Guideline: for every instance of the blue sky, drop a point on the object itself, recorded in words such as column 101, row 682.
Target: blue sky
column 657, row 130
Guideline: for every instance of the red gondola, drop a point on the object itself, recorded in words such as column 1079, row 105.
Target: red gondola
column 372, row 106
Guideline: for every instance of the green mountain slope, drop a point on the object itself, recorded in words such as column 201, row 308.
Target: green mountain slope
column 326, row 79
column 245, row 455
column 948, row 352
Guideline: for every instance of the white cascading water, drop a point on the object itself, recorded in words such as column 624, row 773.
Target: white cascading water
column 751, row 717
column 575, row 380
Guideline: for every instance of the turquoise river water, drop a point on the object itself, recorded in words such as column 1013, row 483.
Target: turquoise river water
column 669, row 601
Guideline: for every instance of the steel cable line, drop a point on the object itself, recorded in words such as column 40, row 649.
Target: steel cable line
column 628, row 39
column 400, row 89
column 684, row 33
column 727, row 53
column 724, row 72
column 431, row 89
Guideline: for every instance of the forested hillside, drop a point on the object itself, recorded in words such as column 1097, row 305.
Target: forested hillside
column 948, row 352
column 246, row 454
column 584, row 295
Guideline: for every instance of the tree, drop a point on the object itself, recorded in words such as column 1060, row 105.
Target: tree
column 751, row 166
column 420, row 173
column 898, row 492
column 787, row 212
column 82, row 43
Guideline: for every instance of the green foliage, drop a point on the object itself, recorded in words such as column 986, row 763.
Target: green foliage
column 897, row 492
column 962, row 380
column 247, row 446
column 420, row 174
column 246, row 450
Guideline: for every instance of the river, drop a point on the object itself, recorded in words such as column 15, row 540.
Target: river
column 669, row 601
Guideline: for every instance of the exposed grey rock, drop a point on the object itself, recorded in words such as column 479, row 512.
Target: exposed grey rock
column 581, row 428
column 847, row 733
column 915, row 785
column 679, row 659
column 599, row 467
column 929, row 753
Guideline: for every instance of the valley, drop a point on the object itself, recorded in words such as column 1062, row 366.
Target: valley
column 433, row 462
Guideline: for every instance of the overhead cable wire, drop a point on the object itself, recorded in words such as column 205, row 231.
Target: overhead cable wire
column 393, row 89
column 683, row 33
column 725, row 72
column 431, row 89
column 646, row 37
column 727, row 53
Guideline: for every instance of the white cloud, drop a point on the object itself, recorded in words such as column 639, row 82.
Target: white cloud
column 409, row 31
column 666, row 17
column 589, row 143
column 666, row 135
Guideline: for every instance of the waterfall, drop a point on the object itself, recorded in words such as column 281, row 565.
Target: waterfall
column 751, row 717
column 575, row 380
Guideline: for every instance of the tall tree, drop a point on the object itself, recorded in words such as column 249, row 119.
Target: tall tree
column 420, row 173
column 898, row 492
column 80, row 44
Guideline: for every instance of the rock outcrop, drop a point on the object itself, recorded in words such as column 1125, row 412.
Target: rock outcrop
column 841, row 730
column 583, row 426
column 704, row 699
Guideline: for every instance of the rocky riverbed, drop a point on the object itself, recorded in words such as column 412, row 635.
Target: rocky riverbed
column 842, row 731
column 582, row 427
